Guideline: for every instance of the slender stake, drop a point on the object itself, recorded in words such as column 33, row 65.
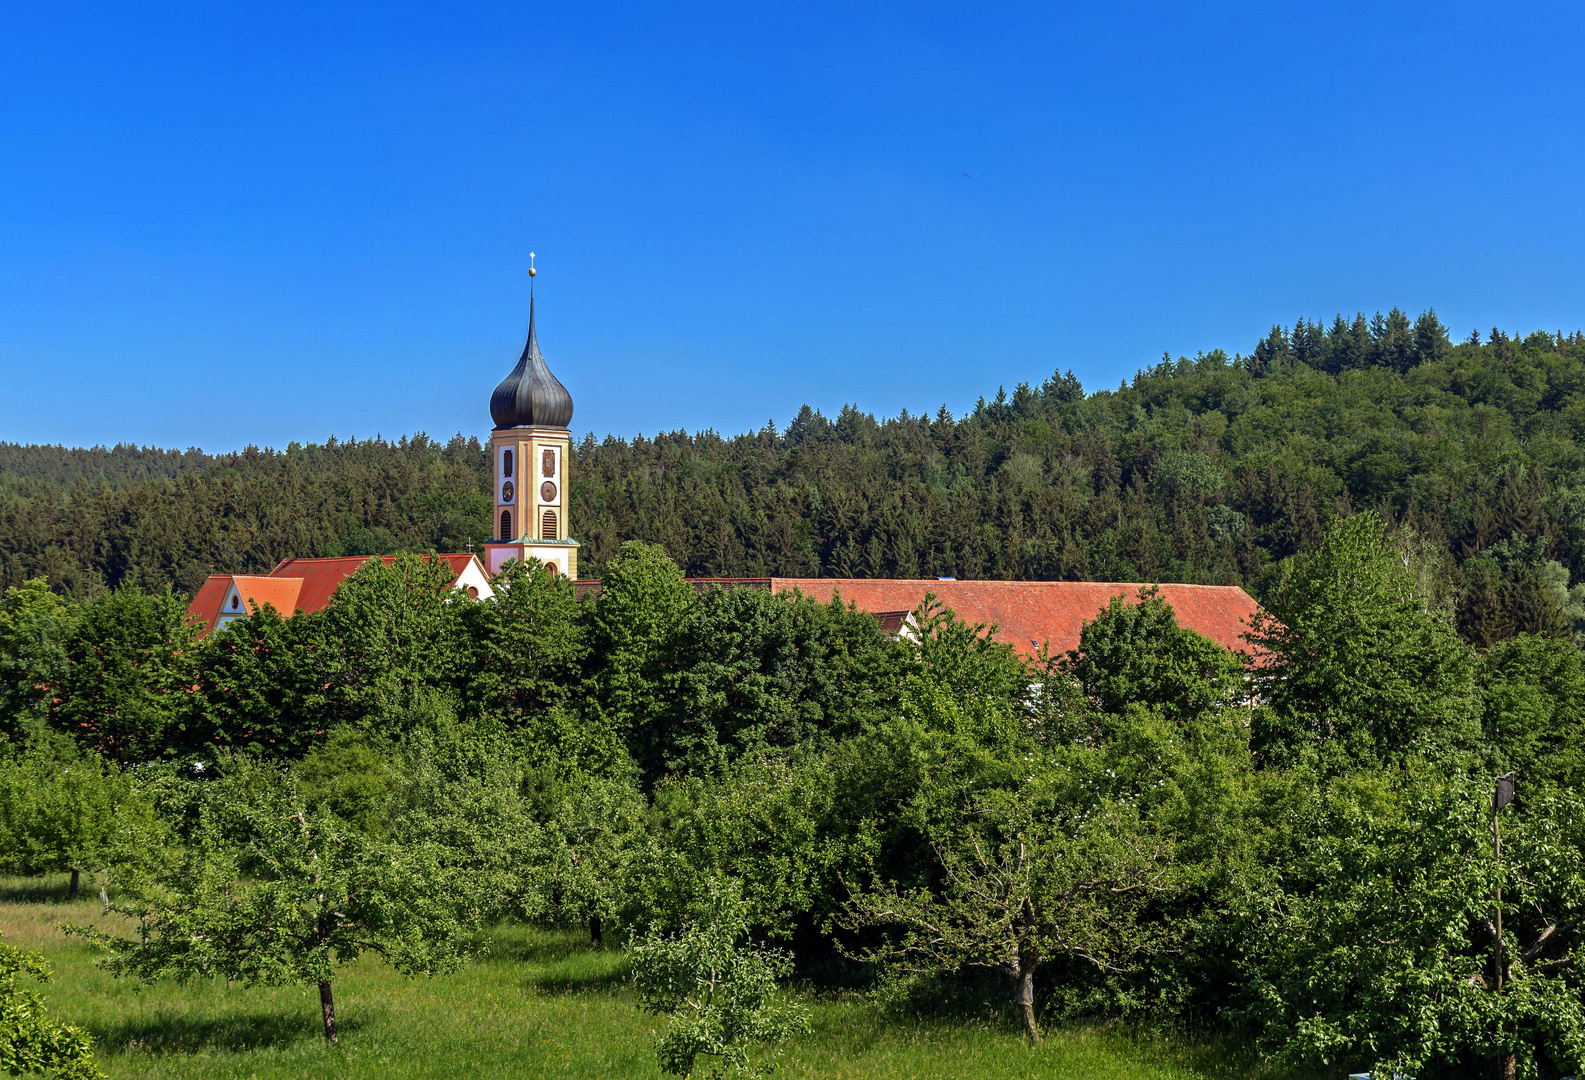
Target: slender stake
column 1496, row 850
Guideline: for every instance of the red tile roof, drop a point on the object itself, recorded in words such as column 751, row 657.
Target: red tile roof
column 1027, row 614
column 322, row 577
column 294, row 585
column 254, row 592
column 205, row 607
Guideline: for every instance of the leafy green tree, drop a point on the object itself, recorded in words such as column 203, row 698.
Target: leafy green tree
column 1135, row 651
column 1029, row 879
column 1358, row 667
column 34, row 626
column 1533, row 707
column 637, row 618
column 768, row 822
column 523, row 661
column 757, row 671
column 590, row 836
column 267, row 684
column 129, row 672
column 269, row 892
column 535, row 642
column 64, row 813
column 717, row 990
column 464, row 788
column 30, row 1042
column 352, row 775
column 396, row 630
column 1382, row 952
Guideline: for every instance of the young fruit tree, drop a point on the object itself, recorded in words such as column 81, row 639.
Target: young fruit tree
column 62, row 813
column 717, row 990
column 30, row 1042
column 267, row 892
column 1413, row 945
column 1027, row 878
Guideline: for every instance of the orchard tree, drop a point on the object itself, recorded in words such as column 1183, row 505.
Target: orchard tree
column 634, row 628
column 1029, row 878
column 1135, row 652
column 525, row 651
column 64, row 812
column 129, row 672
column 268, row 892
column 395, row 630
column 268, row 683
column 1383, row 952
column 1360, row 668
column 34, row 626
column 589, row 832
column 716, row 989
column 30, row 1042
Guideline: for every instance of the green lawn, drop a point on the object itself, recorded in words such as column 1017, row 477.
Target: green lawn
column 540, row 1005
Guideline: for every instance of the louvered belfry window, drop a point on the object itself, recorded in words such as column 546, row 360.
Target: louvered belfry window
column 547, row 525
column 506, row 525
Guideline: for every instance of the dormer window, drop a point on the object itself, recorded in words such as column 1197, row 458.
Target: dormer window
column 235, row 602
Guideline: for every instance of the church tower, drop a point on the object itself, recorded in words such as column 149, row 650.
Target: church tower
column 531, row 443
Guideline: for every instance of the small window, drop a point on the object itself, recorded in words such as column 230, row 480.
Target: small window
column 235, row 602
column 506, row 464
column 547, row 525
column 547, row 463
column 473, row 592
column 506, row 525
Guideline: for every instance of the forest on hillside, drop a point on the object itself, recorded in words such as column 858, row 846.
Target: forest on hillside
column 1209, row 469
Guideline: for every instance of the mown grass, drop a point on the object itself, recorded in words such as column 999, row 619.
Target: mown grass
column 539, row 1004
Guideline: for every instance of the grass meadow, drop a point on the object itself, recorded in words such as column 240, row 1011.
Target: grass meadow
column 539, row 1004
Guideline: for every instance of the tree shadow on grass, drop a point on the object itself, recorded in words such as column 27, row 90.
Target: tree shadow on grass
column 241, row 1032
column 577, row 979
column 559, row 961
column 45, row 889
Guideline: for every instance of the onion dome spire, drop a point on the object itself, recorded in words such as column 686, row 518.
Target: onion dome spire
column 531, row 396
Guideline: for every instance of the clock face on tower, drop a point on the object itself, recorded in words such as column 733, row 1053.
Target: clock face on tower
column 506, row 492
column 547, row 491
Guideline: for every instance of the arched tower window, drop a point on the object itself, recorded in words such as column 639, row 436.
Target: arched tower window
column 506, row 464
column 547, row 525
column 506, row 525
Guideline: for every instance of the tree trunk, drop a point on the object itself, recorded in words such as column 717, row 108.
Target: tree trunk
column 1024, row 994
column 1506, row 1067
column 71, row 890
column 596, row 934
column 327, row 1004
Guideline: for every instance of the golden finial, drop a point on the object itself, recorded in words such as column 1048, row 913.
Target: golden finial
column 531, row 270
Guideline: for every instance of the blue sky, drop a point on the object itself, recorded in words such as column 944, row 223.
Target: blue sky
column 223, row 225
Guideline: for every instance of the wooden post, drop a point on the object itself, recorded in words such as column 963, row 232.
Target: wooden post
column 1507, row 1067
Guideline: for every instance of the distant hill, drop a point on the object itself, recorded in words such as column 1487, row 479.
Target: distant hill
column 1209, row 469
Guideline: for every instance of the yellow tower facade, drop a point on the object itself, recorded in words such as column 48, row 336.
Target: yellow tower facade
column 532, row 513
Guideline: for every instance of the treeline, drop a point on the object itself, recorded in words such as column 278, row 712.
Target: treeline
column 1296, row 853
column 1211, row 470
